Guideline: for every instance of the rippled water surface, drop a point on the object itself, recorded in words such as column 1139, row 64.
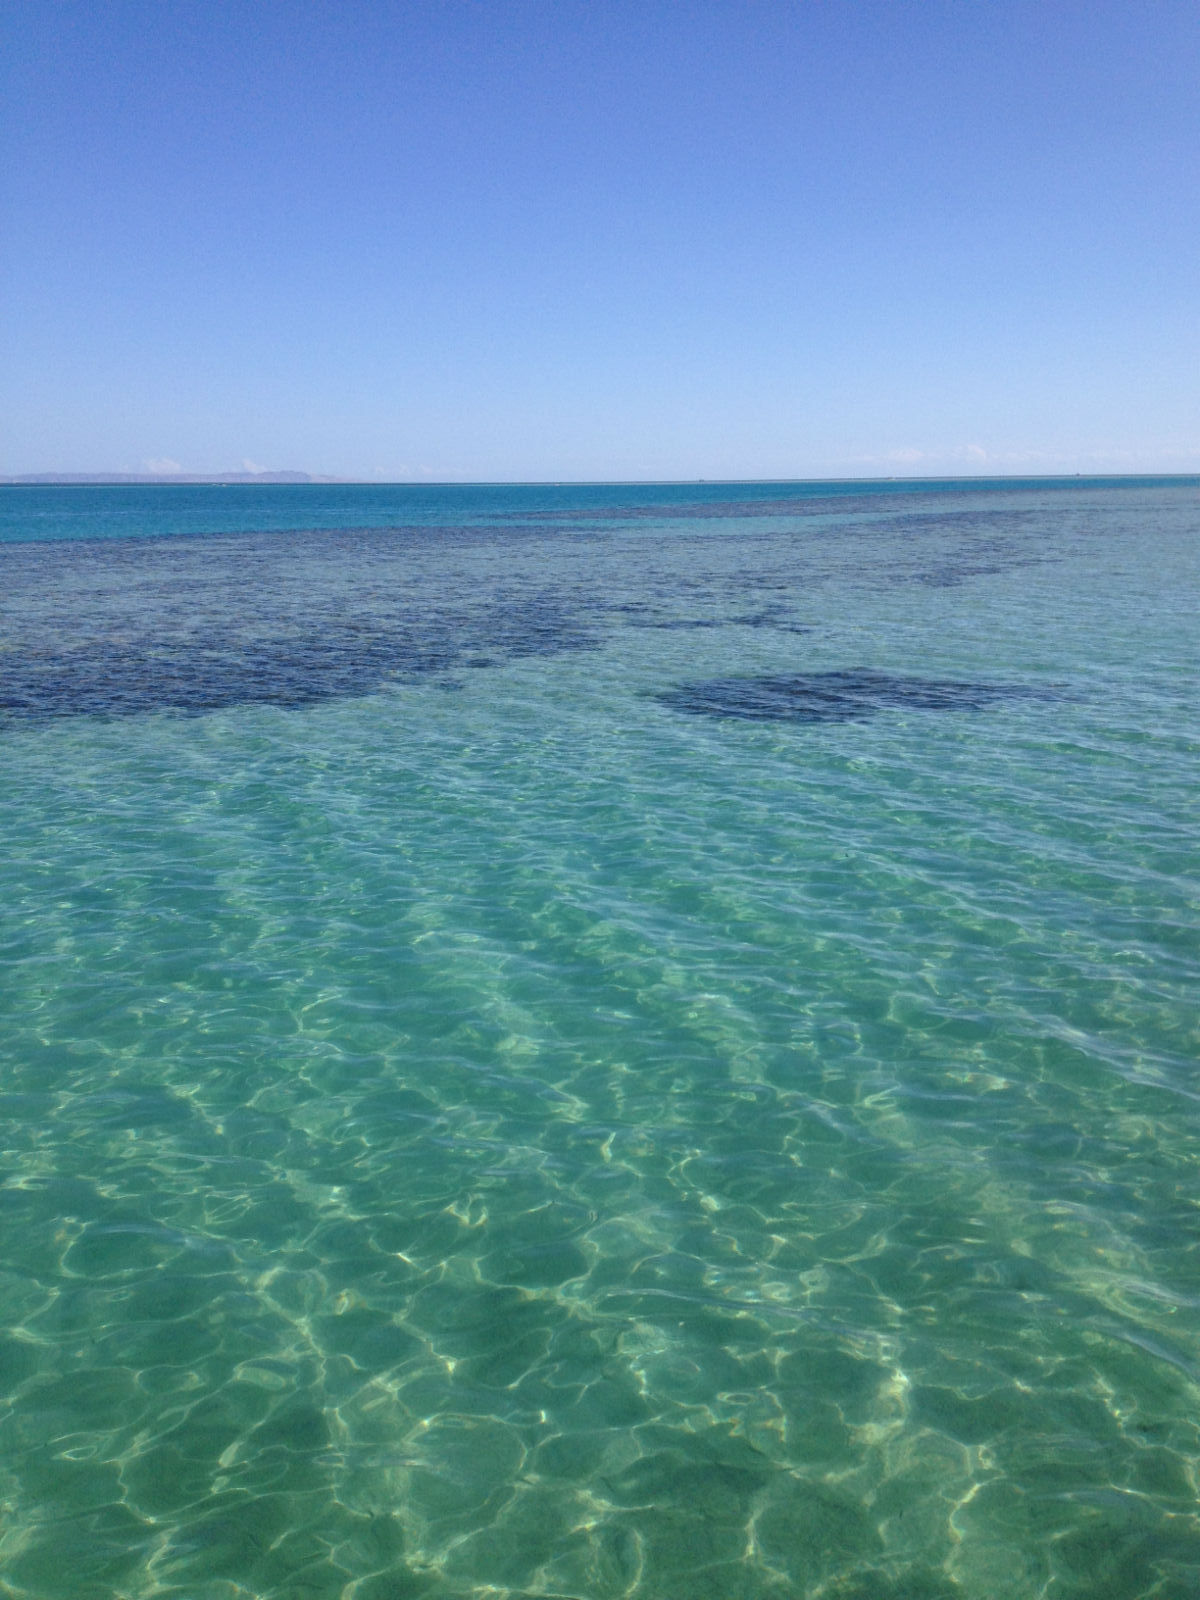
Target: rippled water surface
column 600, row 1043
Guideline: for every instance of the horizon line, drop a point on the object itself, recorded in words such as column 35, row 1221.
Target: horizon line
column 296, row 479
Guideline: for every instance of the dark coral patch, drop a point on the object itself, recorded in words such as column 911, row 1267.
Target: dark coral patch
column 90, row 675
column 847, row 696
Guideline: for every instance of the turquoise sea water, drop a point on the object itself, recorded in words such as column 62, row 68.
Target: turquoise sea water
column 600, row 1042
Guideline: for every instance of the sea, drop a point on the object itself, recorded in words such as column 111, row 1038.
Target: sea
column 620, row 1042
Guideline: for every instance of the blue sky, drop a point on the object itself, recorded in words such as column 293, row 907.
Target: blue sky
column 457, row 239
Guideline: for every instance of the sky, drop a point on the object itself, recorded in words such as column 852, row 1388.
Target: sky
column 594, row 239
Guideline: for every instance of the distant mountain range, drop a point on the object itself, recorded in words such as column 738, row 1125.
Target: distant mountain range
column 168, row 477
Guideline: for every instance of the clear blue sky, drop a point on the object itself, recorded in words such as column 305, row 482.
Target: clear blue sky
column 598, row 239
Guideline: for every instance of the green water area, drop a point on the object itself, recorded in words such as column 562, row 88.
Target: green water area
column 600, row 1043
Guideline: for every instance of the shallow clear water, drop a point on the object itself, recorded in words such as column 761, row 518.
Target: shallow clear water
column 600, row 1042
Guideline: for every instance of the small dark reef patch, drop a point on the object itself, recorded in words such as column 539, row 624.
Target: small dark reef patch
column 847, row 696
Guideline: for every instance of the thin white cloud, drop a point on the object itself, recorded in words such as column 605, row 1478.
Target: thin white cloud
column 908, row 455
column 975, row 455
column 161, row 465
